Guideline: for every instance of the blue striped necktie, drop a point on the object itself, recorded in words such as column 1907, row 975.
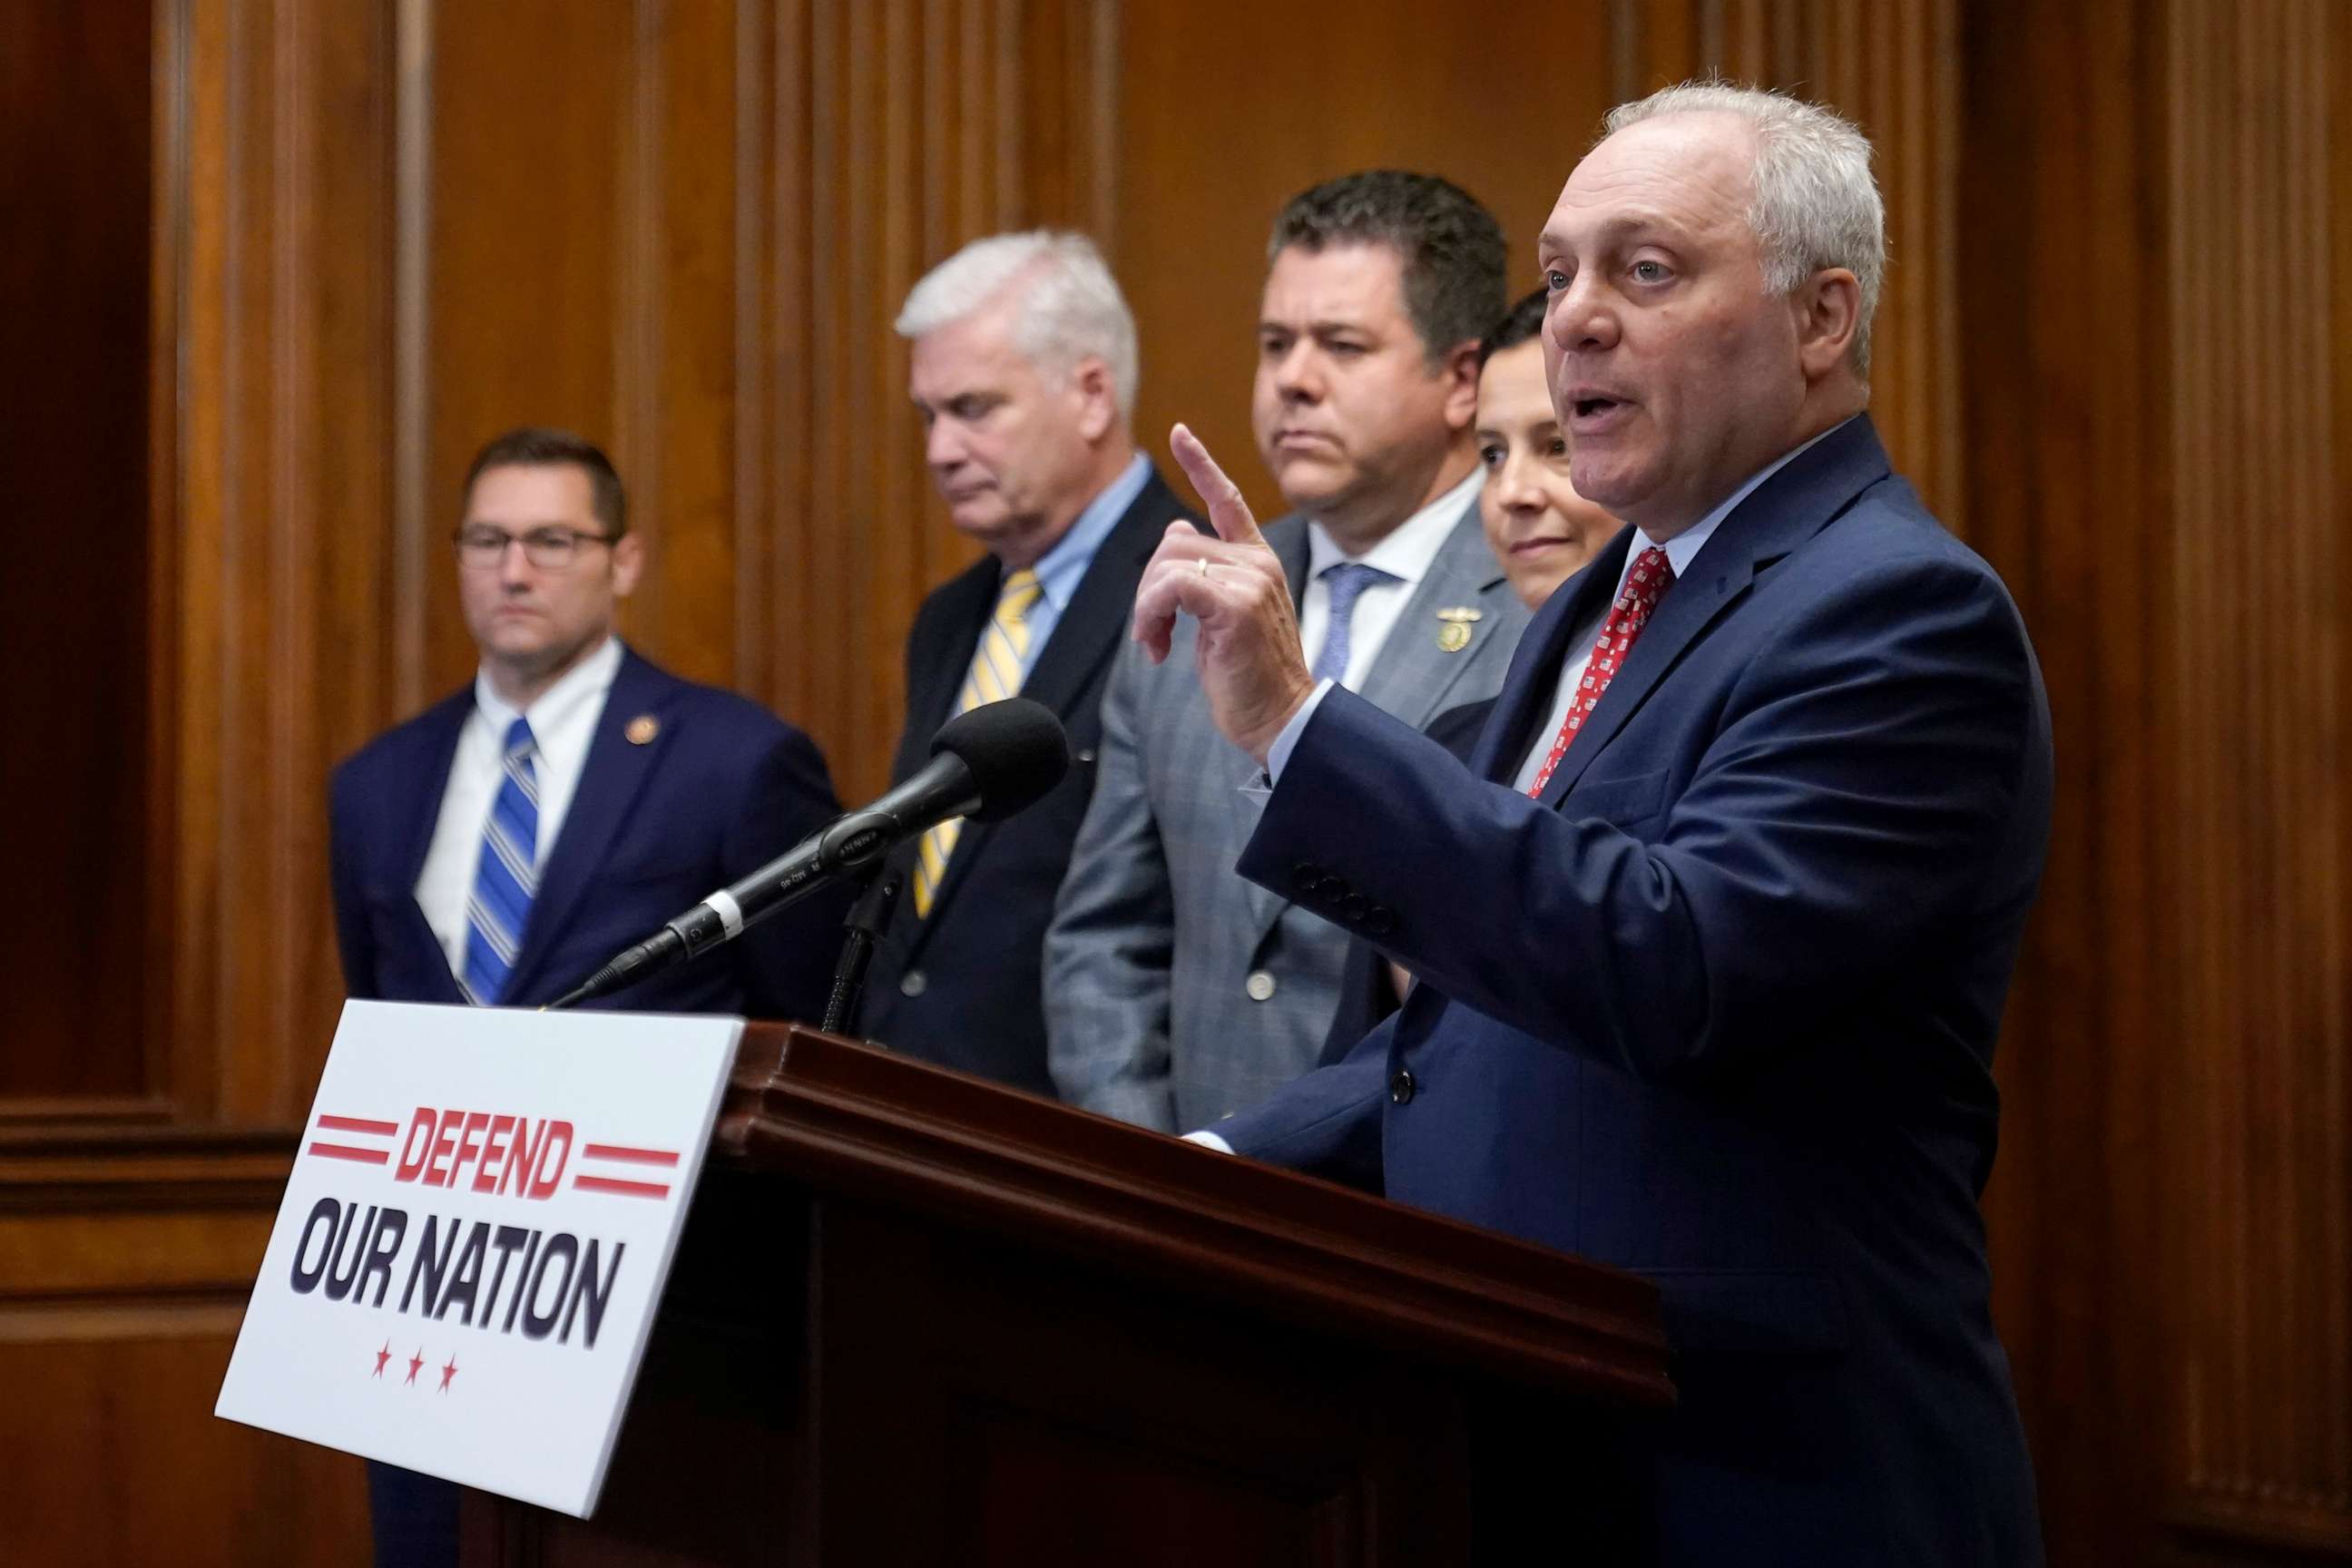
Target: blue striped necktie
column 508, row 877
column 1346, row 581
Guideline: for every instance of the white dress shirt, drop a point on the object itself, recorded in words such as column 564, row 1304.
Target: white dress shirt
column 1681, row 551
column 1405, row 555
column 564, row 722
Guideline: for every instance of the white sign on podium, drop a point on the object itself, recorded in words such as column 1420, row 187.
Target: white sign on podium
column 474, row 1238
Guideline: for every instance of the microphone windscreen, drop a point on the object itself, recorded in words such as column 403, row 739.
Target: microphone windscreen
column 1015, row 749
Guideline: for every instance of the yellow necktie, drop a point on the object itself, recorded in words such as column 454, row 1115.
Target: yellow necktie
column 995, row 676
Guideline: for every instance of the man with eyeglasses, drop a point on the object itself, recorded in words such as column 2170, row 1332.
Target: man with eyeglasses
column 500, row 846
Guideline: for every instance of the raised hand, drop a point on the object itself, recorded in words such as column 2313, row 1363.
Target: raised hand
column 1248, row 653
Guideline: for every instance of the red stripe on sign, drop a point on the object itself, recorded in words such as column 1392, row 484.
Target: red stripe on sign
column 625, row 1189
column 635, row 1156
column 357, row 1124
column 345, row 1152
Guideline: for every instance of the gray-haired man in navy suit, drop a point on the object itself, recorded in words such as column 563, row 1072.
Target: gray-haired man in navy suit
column 1024, row 367
column 1713, row 929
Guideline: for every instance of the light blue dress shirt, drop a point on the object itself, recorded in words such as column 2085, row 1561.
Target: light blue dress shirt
column 1060, row 569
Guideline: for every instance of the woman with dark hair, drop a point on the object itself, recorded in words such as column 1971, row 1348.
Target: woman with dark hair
column 1537, row 526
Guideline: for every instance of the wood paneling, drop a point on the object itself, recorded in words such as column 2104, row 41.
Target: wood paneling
column 2150, row 425
column 2255, row 680
column 2062, row 377
column 74, row 186
column 125, row 1256
column 1214, row 139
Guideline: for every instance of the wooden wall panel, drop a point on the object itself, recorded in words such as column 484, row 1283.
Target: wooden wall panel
column 124, row 1258
column 2263, row 1434
column 2064, row 461
column 2150, row 432
column 1212, row 142
column 74, row 172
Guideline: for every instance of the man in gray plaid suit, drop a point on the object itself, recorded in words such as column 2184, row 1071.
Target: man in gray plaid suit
column 1176, row 993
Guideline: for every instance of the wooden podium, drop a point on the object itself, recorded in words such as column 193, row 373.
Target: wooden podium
column 919, row 1319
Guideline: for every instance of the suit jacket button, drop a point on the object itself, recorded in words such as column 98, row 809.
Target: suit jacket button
column 912, row 983
column 1354, row 907
column 1400, row 1086
column 1333, row 888
column 1380, row 920
column 1307, row 873
column 1260, row 986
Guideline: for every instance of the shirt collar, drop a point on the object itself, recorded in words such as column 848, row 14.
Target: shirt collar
column 1683, row 547
column 1407, row 550
column 1059, row 569
column 583, row 684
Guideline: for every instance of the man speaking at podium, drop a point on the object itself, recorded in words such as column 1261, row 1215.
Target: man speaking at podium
column 1715, row 930
column 500, row 846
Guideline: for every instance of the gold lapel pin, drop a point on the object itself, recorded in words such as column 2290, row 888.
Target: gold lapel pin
column 642, row 729
column 1453, row 632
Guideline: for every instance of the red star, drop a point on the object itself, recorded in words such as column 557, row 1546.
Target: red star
column 416, row 1364
column 383, row 1356
column 448, row 1371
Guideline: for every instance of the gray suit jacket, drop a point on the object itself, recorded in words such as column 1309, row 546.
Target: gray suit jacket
column 1176, row 993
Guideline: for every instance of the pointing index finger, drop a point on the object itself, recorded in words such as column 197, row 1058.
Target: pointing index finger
column 1228, row 513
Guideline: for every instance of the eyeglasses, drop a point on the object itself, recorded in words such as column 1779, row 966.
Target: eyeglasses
column 480, row 548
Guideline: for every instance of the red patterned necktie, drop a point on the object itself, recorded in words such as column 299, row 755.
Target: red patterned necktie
column 1652, row 576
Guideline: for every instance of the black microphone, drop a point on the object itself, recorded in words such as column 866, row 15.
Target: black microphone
column 986, row 764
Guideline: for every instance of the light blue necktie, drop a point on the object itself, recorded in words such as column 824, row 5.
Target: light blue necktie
column 1348, row 581
column 508, row 877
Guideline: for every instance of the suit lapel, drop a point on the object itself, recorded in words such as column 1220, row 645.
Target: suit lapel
column 1411, row 674
column 610, row 782
column 940, row 683
column 1289, row 547
column 421, row 810
column 1087, row 634
column 1524, row 700
column 412, row 830
column 1287, row 537
column 1781, row 513
column 1089, row 629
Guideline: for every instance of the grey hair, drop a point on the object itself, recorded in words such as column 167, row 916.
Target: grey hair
column 1069, row 306
column 1815, row 204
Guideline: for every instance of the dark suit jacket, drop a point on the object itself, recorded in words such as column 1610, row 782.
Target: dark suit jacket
column 1367, row 993
column 962, row 987
column 722, row 787
column 1720, row 1006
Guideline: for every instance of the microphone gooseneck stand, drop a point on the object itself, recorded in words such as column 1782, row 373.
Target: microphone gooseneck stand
column 863, row 925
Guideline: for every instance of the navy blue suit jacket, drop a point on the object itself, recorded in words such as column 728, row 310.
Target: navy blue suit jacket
column 1719, row 1007
column 1367, row 993
column 962, row 986
column 721, row 788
